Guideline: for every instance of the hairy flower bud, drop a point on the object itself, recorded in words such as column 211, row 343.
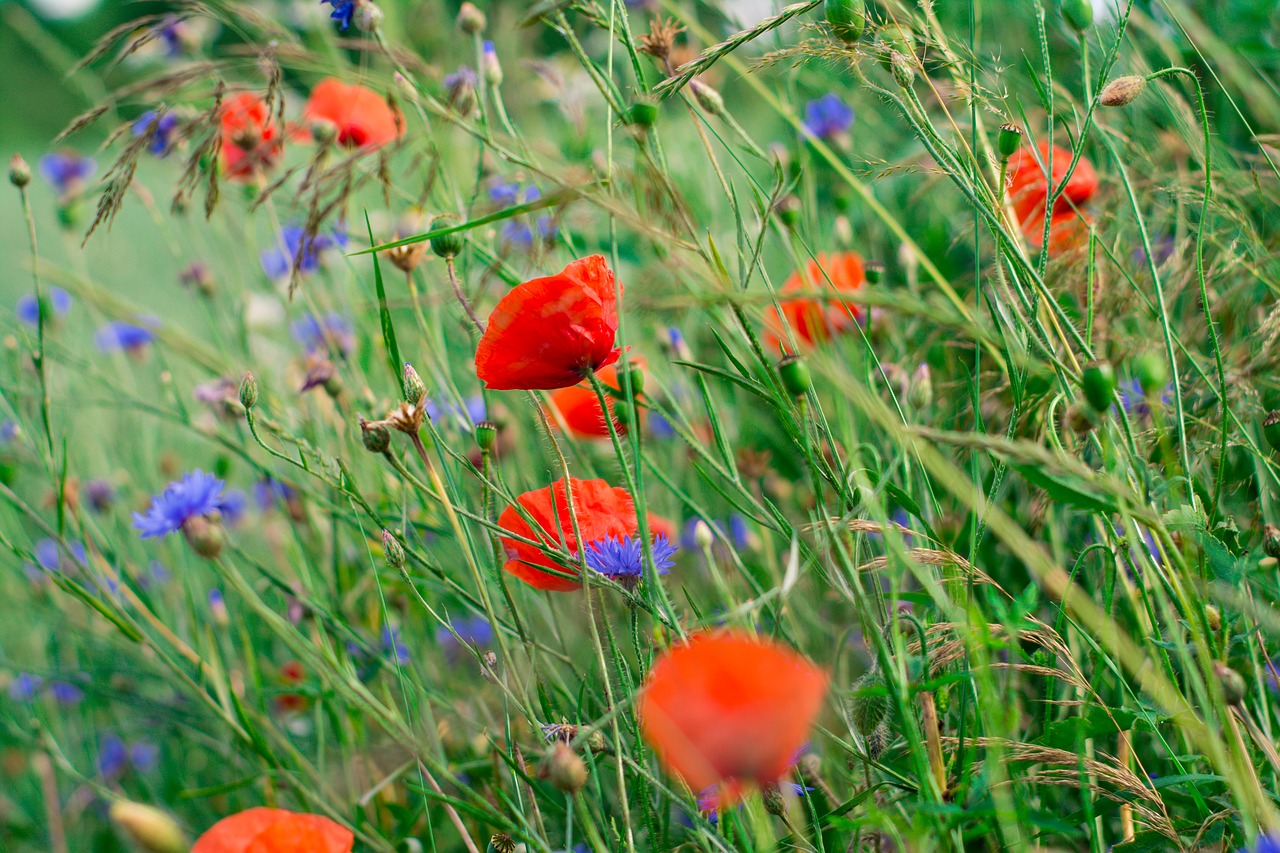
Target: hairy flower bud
column 903, row 70
column 392, row 550
column 19, row 171
column 708, row 98
column 1122, row 91
column 1078, row 14
column 774, row 802
column 847, row 18
column 1152, row 373
column 870, row 704
column 248, row 391
column 152, row 830
column 1099, row 385
column 564, row 769
column 205, row 535
column 1232, row 683
column 414, row 388
column 375, row 435
column 471, row 20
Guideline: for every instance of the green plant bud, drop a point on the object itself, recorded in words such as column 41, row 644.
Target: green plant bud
column 1232, row 682
column 795, row 375
column 643, row 115
column 564, row 769
column 248, row 391
column 471, row 20
column 874, row 271
column 1213, row 616
column 445, row 245
column 1271, row 429
column 486, row 435
column 870, row 704
column 152, row 830
column 1152, row 373
column 920, row 391
column 636, row 375
column 323, row 132
column 414, row 388
column 708, row 98
column 1080, row 419
column 902, row 68
column 205, row 535
column 847, row 19
column 1122, row 91
column 1078, row 14
column 392, row 550
column 877, row 741
column 71, row 214
column 774, row 802
column 1099, row 385
column 1271, row 541
column 1009, row 140
column 375, row 435
column 19, row 171
column 788, row 210
column 501, row 843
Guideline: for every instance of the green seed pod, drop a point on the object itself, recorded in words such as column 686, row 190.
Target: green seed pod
column 445, row 245
column 414, row 388
column 486, row 435
column 795, row 375
column 643, row 115
column 1078, row 14
column 564, row 769
column 1122, row 91
column 248, row 391
column 392, row 550
column 1099, row 385
column 1232, row 682
column 501, row 843
column 636, row 375
column 375, row 436
column 1009, row 140
column 708, row 98
column 1271, row 541
column 847, row 19
column 1152, row 373
column 870, row 703
column 874, row 271
column 19, row 171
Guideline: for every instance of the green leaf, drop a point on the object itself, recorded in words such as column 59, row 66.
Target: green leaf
column 1095, row 722
column 1067, row 488
column 384, row 314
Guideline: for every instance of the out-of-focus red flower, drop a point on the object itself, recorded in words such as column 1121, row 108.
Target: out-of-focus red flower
column 602, row 510
column 263, row 830
column 813, row 320
column 552, row 332
column 580, row 408
column 251, row 142
column 1029, row 191
column 659, row 526
column 730, row 709
column 362, row 118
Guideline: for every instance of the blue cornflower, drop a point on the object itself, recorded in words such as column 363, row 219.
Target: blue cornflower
column 470, row 413
column 158, row 129
column 65, row 693
column 622, row 559
column 828, row 116
column 66, row 171
column 113, row 757
column 269, row 491
column 144, row 756
column 342, row 11
column 321, row 333
column 464, row 76
column 172, row 32
column 234, row 504
column 295, row 244
column 57, row 302
column 391, row 643
column 119, row 335
column 473, row 630
column 9, row 430
column 1264, row 844
column 509, row 193
column 1135, row 402
column 194, row 496
column 49, row 559
column 24, row 687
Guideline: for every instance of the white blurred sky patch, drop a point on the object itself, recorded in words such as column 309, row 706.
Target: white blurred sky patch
column 63, row 9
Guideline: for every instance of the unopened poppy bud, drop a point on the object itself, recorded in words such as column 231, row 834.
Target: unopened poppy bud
column 1099, row 385
column 501, row 843
column 19, row 171
column 774, row 802
column 636, row 375
column 1271, row 429
column 920, row 391
column 1271, row 541
column 471, row 20
column 375, row 436
column 248, row 391
column 1152, row 373
column 877, row 741
column 392, row 550
column 1009, row 140
column 71, row 214
column 1232, row 683
column 870, row 704
column 1078, row 14
column 643, row 115
column 1122, row 91
column 152, row 830
column 708, row 98
column 904, row 72
column 489, row 65
column 788, row 210
column 795, row 375
column 1213, row 616
column 323, row 131
column 703, row 535
column 486, row 435
column 205, row 535
column 414, row 388
column 445, row 245
column 847, row 18
column 1080, row 419
column 874, row 271
column 564, row 769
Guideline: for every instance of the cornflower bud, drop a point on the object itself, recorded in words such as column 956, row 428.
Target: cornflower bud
column 19, row 171
column 152, row 830
column 708, row 98
column 795, row 375
column 904, row 73
column 489, row 65
column 1009, row 140
column 703, row 536
column 392, row 550
column 920, row 391
column 248, row 391
column 375, row 435
column 471, row 20
column 774, row 802
column 1213, row 616
column 370, row 16
column 414, row 388
column 1122, row 91
column 205, row 535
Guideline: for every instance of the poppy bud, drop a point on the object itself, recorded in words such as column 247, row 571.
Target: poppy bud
column 471, row 20
column 1122, row 91
column 774, row 802
column 847, row 19
column 375, row 435
column 392, row 550
column 1079, row 419
column 788, row 210
column 1078, row 13
column 877, row 741
column 205, row 535
column 874, row 272
column 1232, row 683
column 486, row 435
column 501, row 843
column 1009, row 140
column 152, row 830
column 636, row 375
column 564, row 769
column 445, row 245
column 870, row 703
column 1271, row 541
column 708, row 98
column 1213, row 616
column 642, row 115
column 795, row 375
column 1099, row 385
column 1151, row 372
column 414, row 388
column 19, row 171
column 248, row 391
column 903, row 71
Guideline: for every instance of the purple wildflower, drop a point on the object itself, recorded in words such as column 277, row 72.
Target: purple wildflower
column 1265, row 844
column 56, row 303
column 295, row 245
column 196, row 495
column 467, row 415
column 24, row 687
column 66, row 171
column 158, row 128
column 9, row 430
column 65, row 693
column 322, row 333
column 1135, row 402
column 269, row 491
column 144, row 756
column 113, row 757
column 827, row 117
column 392, row 644
column 119, row 335
column 472, row 630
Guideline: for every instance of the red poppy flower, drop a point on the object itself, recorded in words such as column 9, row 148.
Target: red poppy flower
column 251, row 143
column 730, row 709
column 362, row 117
column 602, row 510
column 263, row 830
column 813, row 320
column 579, row 407
column 1028, row 192
column 552, row 332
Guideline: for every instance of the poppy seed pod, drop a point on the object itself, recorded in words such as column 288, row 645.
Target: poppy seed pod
column 445, row 245
column 795, row 375
column 471, row 20
column 1099, row 385
column 1271, row 429
column 1009, row 140
column 392, row 550
column 152, row 830
column 375, row 436
column 847, row 18
column 1122, row 91
column 486, row 435
column 501, row 843
column 874, row 271
column 1232, row 683
column 248, row 391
